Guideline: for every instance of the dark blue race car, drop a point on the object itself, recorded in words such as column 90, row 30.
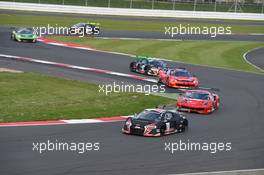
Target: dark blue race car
column 147, row 66
column 85, row 29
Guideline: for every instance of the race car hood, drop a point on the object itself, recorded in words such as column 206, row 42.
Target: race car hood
column 190, row 79
column 194, row 102
column 141, row 123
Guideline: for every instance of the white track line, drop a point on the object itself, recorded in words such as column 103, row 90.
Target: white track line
column 79, row 68
column 245, row 58
column 222, row 172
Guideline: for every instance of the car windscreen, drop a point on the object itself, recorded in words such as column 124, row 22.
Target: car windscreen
column 149, row 115
column 182, row 74
column 158, row 64
column 25, row 31
column 78, row 25
column 197, row 95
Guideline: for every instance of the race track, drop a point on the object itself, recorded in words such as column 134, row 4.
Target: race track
column 239, row 121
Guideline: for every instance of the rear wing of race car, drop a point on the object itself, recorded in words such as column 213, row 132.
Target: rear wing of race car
column 94, row 23
column 139, row 57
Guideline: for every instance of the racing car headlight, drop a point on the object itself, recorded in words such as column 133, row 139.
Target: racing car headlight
column 151, row 126
column 128, row 122
column 19, row 36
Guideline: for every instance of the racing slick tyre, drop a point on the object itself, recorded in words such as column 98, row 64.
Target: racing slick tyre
column 147, row 69
column 184, row 126
column 131, row 67
column 182, row 129
column 185, row 122
column 162, row 130
column 12, row 37
column 218, row 104
column 159, row 81
column 168, row 83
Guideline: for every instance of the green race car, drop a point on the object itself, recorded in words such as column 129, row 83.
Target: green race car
column 24, row 34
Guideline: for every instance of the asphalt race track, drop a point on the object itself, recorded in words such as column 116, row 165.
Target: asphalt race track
column 239, row 121
column 256, row 57
column 157, row 35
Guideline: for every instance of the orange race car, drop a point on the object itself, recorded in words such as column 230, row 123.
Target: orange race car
column 200, row 101
column 178, row 78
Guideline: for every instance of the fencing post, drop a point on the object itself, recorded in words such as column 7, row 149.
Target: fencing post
column 194, row 5
column 235, row 6
column 215, row 6
column 131, row 3
column 262, row 6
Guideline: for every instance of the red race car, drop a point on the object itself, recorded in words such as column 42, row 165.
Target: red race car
column 200, row 101
column 178, row 78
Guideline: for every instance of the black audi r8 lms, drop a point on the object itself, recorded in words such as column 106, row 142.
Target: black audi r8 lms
column 155, row 122
column 85, row 29
column 147, row 66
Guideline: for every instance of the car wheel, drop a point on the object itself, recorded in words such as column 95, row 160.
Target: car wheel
column 131, row 67
column 185, row 122
column 182, row 129
column 162, row 131
column 217, row 104
column 159, row 81
column 147, row 68
column 13, row 37
column 213, row 108
column 167, row 82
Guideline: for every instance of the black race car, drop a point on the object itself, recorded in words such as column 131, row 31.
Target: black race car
column 84, row 29
column 147, row 66
column 155, row 122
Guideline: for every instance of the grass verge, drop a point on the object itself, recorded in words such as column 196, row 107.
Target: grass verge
column 119, row 25
column 32, row 97
column 224, row 54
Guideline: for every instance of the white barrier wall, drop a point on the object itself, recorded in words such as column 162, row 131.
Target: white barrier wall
column 128, row 12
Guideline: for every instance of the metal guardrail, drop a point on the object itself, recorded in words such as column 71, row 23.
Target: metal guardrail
column 128, row 12
column 244, row 6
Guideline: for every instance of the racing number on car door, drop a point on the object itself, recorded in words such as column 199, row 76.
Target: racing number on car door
column 168, row 116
